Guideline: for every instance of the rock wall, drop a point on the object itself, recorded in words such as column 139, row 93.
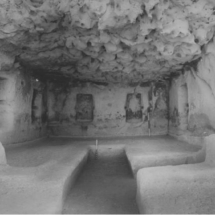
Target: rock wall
column 22, row 116
column 110, row 109
column 192, row 110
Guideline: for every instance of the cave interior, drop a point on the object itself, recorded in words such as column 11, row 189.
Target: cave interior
column 79, row 76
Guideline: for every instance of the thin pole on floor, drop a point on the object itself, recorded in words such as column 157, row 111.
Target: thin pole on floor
column 96, row 144
column 149, row 125
column 96, row 152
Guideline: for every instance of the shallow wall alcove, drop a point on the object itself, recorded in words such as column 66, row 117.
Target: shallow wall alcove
column 133, row 107
column 84, row 108
column 183, row 106
column 7, row 92
column 21, row 109
column 178, row 106
column 192, row 101
column 110, row 102
column 36, row 107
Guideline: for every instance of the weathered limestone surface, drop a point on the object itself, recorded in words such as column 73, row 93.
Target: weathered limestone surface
column 192, row 99
column 109, row 41
column 109, row 109
column 101, row 39
column 35, row 180
column 162, row 151
column 41, row 189
column 179, row 189
column 22, row 106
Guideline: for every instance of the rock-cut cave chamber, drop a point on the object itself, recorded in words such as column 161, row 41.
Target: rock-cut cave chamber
column 107, row 106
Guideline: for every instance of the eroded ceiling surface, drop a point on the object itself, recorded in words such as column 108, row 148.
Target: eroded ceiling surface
column 107, row 40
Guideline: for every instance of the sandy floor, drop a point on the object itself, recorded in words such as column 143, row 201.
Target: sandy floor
column 35, row 153
column 106, row 185
column 160, row 151
column 182, row 189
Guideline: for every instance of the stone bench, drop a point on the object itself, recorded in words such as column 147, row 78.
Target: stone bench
column 141, row 156
column 179, row 189
column 41, row 189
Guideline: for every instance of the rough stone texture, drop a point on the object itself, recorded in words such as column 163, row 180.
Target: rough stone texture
column 198, row 108
column 106, row 41
column 192, row 101
column 3, row 159
column 100, row 38
column 162, row 151
column 109, row 109
column 23, row 115
column 179, row 189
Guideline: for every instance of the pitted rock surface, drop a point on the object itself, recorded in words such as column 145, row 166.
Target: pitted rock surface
column 107, row 40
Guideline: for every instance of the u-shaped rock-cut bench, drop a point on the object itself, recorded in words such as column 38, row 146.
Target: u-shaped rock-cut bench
column 162, row 151
column 41, row 189
column 179, row 189
column 40, row 174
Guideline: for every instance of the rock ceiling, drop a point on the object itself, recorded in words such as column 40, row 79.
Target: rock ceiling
column 107, row 40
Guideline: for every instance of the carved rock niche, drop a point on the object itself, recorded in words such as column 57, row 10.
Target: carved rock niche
column 133, row 108
column 84, row 107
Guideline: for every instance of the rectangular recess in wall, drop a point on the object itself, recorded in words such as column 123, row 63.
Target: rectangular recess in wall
column 84, row 107
column 4, row 89
column 36, row 106
column 133, row 107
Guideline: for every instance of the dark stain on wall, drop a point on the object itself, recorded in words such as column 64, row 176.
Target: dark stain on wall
column 44, row 116
column 193, row 64
column 160, row 87
column 100, row 83
column 174, row 117
column 161, row 91
column 133, row 84
column 25, row 84
column 150, row 95
column 145, row 84
column 157, row 109
column 61, row 90
column 62, row 96
column 200, row 123
column 34, row 106
column 3, row 79
column 84, row 128
column 39, row 99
